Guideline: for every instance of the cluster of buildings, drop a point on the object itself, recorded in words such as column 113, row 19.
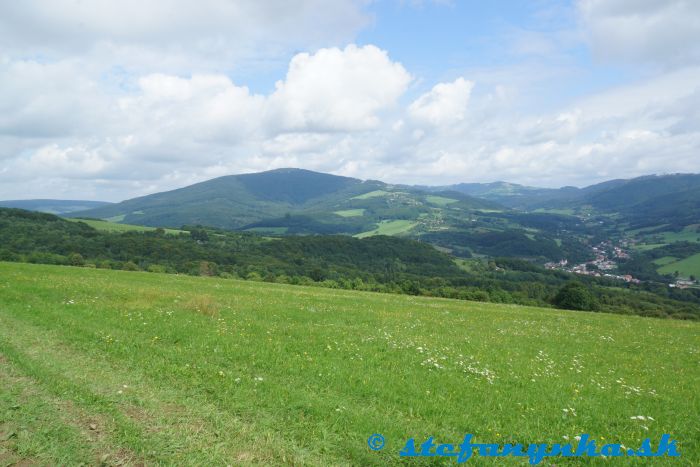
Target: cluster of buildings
column 605, row 255
column 682, row 284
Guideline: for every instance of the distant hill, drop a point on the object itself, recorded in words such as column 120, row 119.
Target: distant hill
column 507, row 194
column 228, row 202
column 660, row 193
column 53, row 206
column 651, row 200
column 527, row 197
column 466, row 219
column 299, row 200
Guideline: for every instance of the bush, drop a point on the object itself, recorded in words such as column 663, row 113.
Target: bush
column 76, row 259
column 575, row 296
column 253, row 276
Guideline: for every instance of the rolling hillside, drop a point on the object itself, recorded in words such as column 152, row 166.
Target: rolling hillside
column 287, row 200
column 377, row 263
column 125, row 368
column 466, row 219
column 619, row 196
column 230, row 202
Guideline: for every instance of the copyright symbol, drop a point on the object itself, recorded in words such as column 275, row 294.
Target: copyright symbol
column 375, row 442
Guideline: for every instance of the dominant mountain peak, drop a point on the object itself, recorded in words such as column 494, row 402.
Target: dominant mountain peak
column 291, row 185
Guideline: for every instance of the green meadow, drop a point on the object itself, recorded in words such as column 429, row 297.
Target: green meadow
column 350, row 212
column 269, row 230
column 132, row 368
column 439, row 200
column 686, row 267
column 108, row 226
column 394, row 227
column 688, row 234
column 371, row 194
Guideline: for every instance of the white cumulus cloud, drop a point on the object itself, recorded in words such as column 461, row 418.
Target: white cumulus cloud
column 335, row 90
column 445, row 103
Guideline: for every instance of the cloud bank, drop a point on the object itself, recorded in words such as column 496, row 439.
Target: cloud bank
column 109, row 100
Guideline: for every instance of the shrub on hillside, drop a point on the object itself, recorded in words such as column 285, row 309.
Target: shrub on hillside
column 575, row 296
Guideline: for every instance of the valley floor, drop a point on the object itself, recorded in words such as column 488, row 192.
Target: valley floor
column 113, row 367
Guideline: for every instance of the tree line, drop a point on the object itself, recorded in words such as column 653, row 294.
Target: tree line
column 380, row 264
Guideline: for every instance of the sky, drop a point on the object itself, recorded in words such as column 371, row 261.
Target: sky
column 108, row 100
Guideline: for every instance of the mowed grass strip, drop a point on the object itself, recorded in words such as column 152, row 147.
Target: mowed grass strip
column 189, row 370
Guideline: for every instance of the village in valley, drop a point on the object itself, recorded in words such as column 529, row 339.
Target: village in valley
column 607, row 253
column 604, row 264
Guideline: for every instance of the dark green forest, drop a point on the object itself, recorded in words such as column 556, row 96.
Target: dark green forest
column 380, row 264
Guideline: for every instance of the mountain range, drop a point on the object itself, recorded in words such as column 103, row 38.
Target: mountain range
column 464, row 219
column 299, row 200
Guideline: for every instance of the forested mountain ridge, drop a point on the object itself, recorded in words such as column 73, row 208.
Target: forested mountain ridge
column 239, row 201
column 466, row 219
column 611, row 195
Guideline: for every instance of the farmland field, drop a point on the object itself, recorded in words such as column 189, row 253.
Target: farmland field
column 113, row 367
column 688, row 234
column 565, row 212
column 647, row 246
column 440, row 200
column 350, row 212
column 371, row 194
column 108, row 226
column 665, row 260
column 686, row 267
column 394, row 227
column 269, row 230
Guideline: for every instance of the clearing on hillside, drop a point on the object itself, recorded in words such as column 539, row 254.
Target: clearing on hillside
column 371, row 194
column 350, row 212
column 112, row 367
column 394, row 227
column 439, row 200
column 108, row 226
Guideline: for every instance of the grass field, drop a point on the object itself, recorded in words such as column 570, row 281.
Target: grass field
column 350, row 212
column 688, row 234
column 113, row 367
column 566, row 212
column 665, row 260
column 647, row 246
column 634, row 232
column 394, row 227
column 269, row 230
column 371, row 194
column 108, row 226
column 439, row 200
column 686, row 267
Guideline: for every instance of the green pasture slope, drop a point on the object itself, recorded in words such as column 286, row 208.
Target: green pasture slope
column 113, row 367
column 108, row 226
column 687, row 267
column 394, row 227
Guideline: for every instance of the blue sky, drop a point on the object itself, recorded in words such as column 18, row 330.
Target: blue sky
column 113, row 99
column 441, row 41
